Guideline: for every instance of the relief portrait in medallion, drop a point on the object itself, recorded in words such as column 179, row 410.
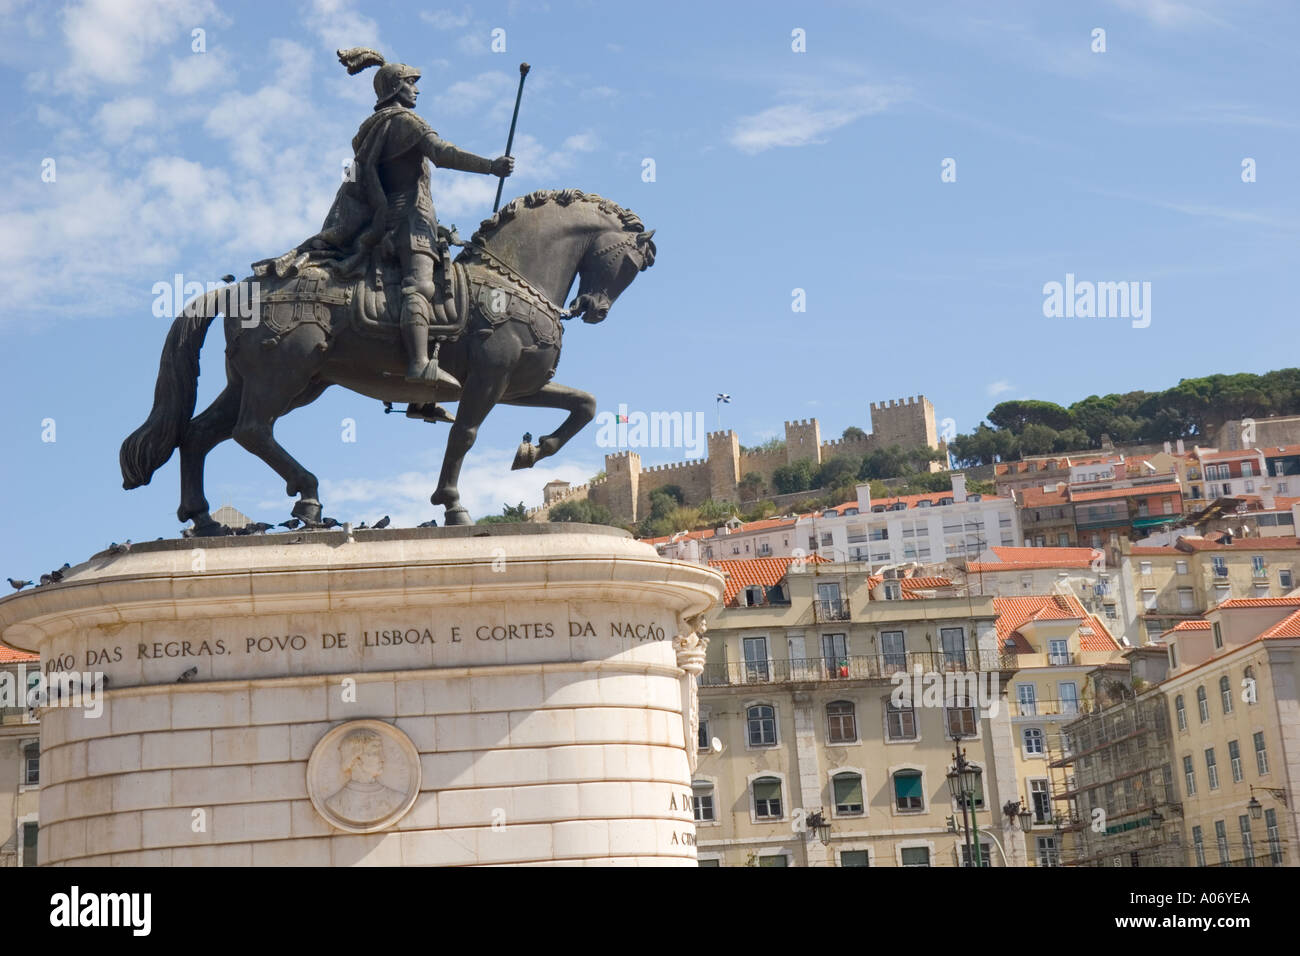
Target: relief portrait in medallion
column 363, row 776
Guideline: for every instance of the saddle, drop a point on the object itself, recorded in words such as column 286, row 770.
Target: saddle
column 377, row 301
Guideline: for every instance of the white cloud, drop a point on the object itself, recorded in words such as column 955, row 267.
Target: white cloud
column 110, row 41
column 581, row 142
column 486, row 483
column 473, row 95
column 339, row 26
column 198, row 71
column 1000, row 387
column 119, row 119
column 1172, row 13
column 811, row 119
column 445, row 19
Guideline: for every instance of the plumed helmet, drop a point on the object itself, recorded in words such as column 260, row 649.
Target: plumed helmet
column 389, row 78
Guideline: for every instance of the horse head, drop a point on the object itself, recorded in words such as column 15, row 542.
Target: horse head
column 614, row 260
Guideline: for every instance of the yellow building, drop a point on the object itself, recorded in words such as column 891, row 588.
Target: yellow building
column 1056, row 643
column 19, row 762
column 1185, row 580
column 831, row 694
column 1233, row 692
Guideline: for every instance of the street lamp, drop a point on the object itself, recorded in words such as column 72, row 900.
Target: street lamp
column 963, row 781
column 816, row 821
column 1256, row 808
column 1014, row 813
column 1157, row 820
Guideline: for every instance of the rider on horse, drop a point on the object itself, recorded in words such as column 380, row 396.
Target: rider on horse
column 387, row 201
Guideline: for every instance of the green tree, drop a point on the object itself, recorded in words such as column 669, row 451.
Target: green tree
column 583, row 510
column 794, row 477
column 853, row 433
column 1016, row 415
column 509, row 514
column 751, row 486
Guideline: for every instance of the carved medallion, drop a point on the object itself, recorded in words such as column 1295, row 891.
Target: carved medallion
column 363, row 776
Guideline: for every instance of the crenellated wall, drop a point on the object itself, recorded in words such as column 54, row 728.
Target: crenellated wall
column 626, row 489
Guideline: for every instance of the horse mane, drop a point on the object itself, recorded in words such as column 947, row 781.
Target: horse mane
column 564, row 197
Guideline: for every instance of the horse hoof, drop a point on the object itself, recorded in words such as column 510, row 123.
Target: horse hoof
column 455, row 516
column 210, row 529
column 308, row 509
column 525, row 456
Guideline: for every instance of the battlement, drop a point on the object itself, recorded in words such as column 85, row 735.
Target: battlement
column 802, row 421
column 919, row 401
column 676, row 466
column 722, row 436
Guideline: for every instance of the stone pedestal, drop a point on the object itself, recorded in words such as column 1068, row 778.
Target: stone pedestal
column 501, row 694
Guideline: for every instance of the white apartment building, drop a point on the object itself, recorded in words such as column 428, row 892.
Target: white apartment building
column 912, row 529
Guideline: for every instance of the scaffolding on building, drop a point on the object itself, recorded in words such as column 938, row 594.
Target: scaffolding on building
column 1113, row 788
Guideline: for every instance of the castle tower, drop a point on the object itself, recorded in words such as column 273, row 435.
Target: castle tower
column 803, row 439
column 623, row 478
column 907, row 423
column 724, row 465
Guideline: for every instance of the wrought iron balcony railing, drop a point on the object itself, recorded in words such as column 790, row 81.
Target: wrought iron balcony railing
column 857, row 667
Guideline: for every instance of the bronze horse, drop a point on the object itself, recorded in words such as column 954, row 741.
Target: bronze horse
column 519, row 264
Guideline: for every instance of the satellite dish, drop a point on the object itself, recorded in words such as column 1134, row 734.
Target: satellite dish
column 715, row 745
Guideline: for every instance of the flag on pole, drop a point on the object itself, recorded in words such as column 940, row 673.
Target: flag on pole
column 724, row 397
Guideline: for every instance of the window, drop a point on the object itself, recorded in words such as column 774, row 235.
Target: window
column 1149, row 598
column 1247, row 469
column 1198, row 845
column 1247, row 844
column 953, row 640
column 960, row 717
column 1186, row 599
column 1033, row 740
column 1212, row 768
column 711, row 862
column 1181, row 711
column 1180, row 567
column 704, row 741
column 761, row 719
column 767, row 798
column 1190, row 773
column 894, row 651
column 1222, row 592
column 773, row 859
column 1284, row 579
column 1274, row 836
column 753, row 596
column 841, row 723
column 908, row 795
column 1257, row 566
column 1202, row 704
column 1062, row 540
column 1234, row 760
column 1058, row 652
column 29, row 835
column 1248, row 685
column 1173, row 653
column 1220, row 566
column 900, row 722
column 848, row 793
column 1027, row 700
column 893, row 591
column 1225, row 694
column 986, row 855
column 32, row 764
column 1218, row 635
column 1261, row 755
column 854, row 858
column 1144, row 567
column 915, row 855
column 1069, row 695
column 756, row 661
column 702, row 798
column 1048, row 852
column 835, row 651
column 1221, row 838
column 1040, row 801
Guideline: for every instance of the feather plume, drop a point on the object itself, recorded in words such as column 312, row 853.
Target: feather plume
column 359, row 58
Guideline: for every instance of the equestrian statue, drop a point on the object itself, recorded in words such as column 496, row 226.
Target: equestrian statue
column 375, row 302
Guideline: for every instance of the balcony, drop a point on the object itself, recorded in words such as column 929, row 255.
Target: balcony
column 16, row 715
column 1045, row 708
column 827, row 611
column 879, row 667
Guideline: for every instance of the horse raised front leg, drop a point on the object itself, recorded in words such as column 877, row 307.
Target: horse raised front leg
column 478, row 397
column 581, row 407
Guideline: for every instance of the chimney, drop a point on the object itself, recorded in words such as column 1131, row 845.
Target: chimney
column 958, row 488
column 1266, row 497
column 1168, row 448
column 864, row 498
column 1179, row 446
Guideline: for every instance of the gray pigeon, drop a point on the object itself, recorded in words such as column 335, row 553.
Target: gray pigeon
column 291, row 524
column 46, row 579
column 188, row 676
column 431, row 523
column 383, row 522
column 329, row 522
column 122, row 548
column 18, row 585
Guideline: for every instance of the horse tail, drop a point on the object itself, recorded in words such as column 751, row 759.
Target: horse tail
column 147, row 448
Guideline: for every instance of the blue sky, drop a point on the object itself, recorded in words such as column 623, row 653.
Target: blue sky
column 775, row 170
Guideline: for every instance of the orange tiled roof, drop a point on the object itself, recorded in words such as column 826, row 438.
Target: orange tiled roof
column 1196, row 625
column 1165, row 488
column 1259, row 602
column 912, row 500
column 1036, row 497
column 1014, row 612
column 1277, row 451
column 1239, row 544
column 1224, row 455
column 1289, row 626
column 924, row 584
column 762, row 571
column 9, row 655
column 1023, row 559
